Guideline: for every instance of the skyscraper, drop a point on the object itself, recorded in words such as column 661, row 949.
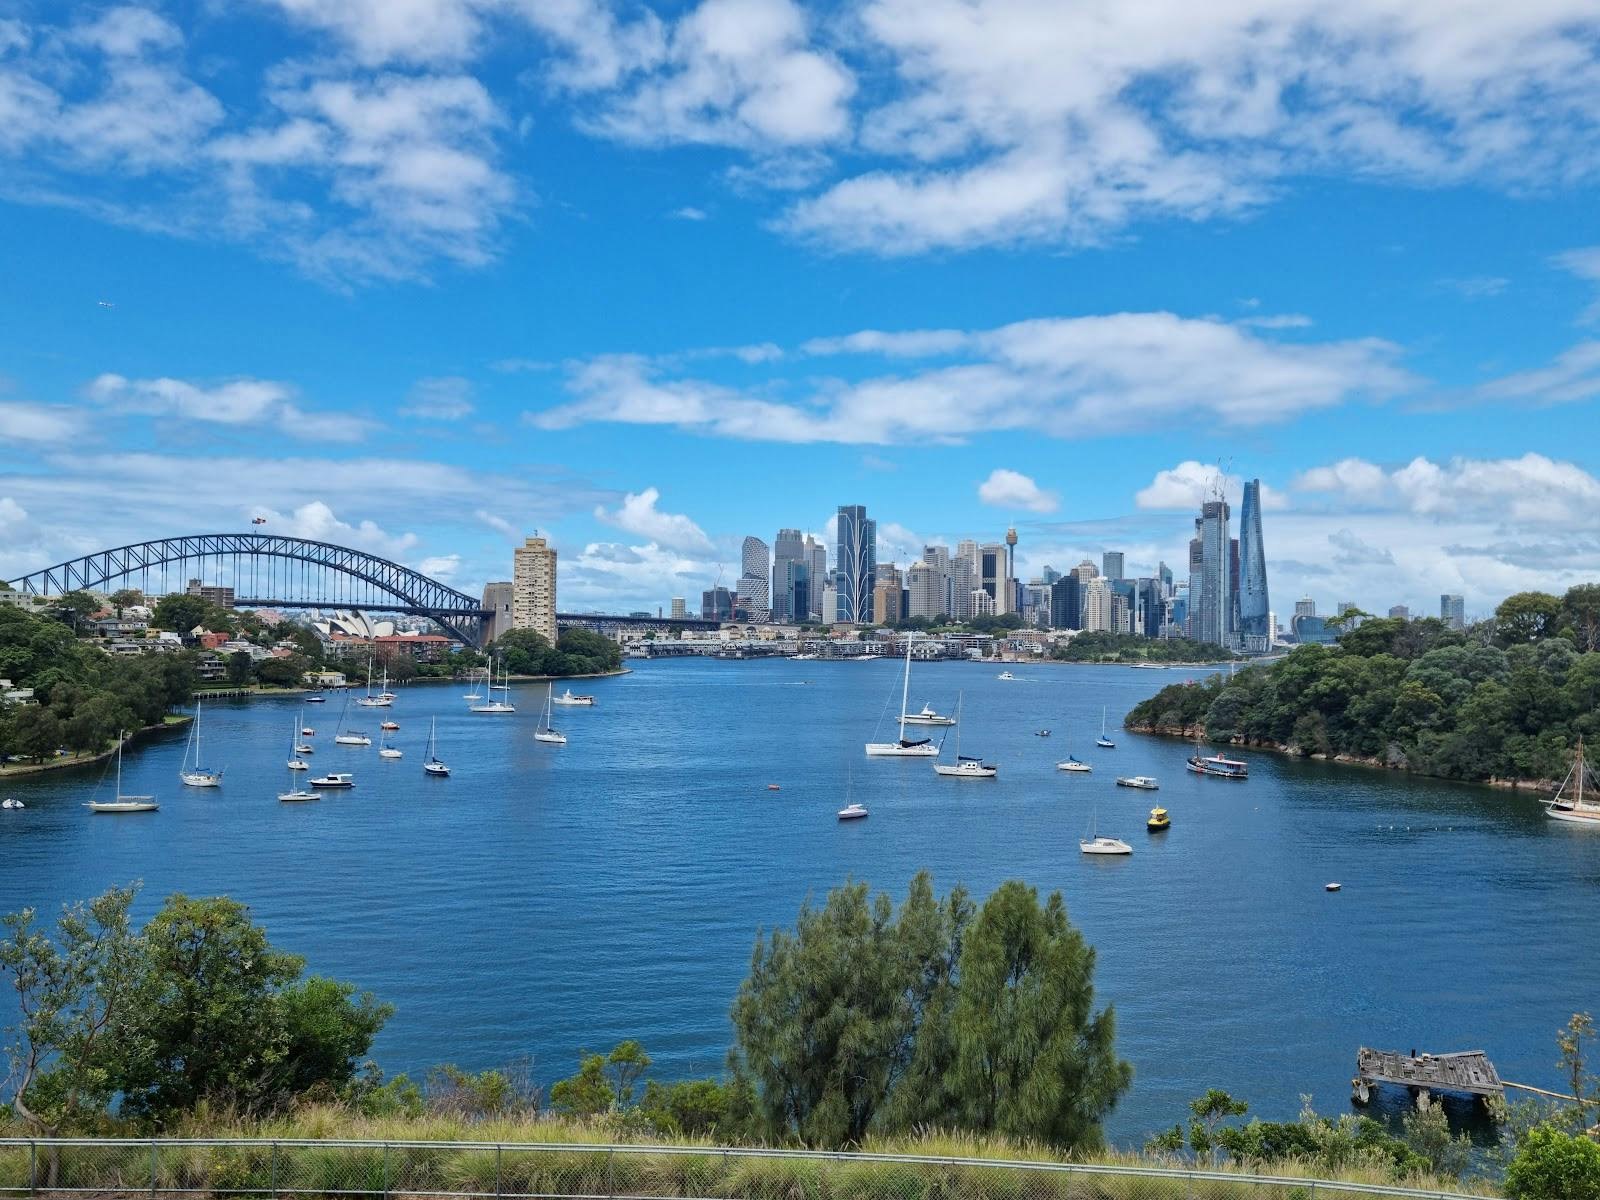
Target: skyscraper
column 679, row 609
column 1111, row 564
column 533, row 588
column 1066, row 602
column 716, row 605
column 992, row 574
column 1211, row 613
column 927, row 590
column 1255, row 628
column 1097, row 605
column 817, row 554
column 1305, row 607
column 1452, row 611
column 857, row 561
column 1400, row 612
column 788, row 548
column 754, row 586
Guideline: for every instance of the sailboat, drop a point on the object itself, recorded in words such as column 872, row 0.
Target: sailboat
column 123, row 804
column 1575, row 807
column 966, row 766
column 544, row 733
column 384, row 749
column 383, row 699
column 474, row 694
column 296, row 763
column 904, row 747
column 432, row 766
column 296, row 794
column 1093, row 844
column 1103, row 741
column 492, row 705
column 197, row 776
column 349, row 737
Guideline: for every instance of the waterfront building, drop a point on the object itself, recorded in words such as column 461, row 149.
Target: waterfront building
column 716, row 604
column 497, row 602
column 1098, row 605
column 796, row 590
column 856, row 559
column 1310, row 629
column 533, row 588
column 1452, row 611
column 1305, row 607
column 1150, row 608
column 680, row 608
column 1111, row 564
column 1255, row 627
column 1401, row 612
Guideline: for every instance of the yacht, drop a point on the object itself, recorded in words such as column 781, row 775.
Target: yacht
column 474, row 694
column 1073, row 764
column 385, row 697
column 904, row 747
column 296, row 749
column 335, row 779
column 349, row 737
column 966, row 766
column 852, row 812
column 544, row 733
column 299, row 795
column 197, row 775
column 123, row 804
column 307, row 731
column 8, row 802
column 1093, row 844
column 385, row 750
column 431, row 765
column 1145, row 783
column 1569, row 803
column 928, row 717
column 571, row 701
column 1103, row 741
column 1159, row 822
column 492, row 705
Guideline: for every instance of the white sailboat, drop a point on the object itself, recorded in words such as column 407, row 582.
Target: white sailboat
column 384, row 749
column 1073, row 763
column 1102, row 845
column 198, row 775
column 296, row 748
column 123, row 804
column 349, row 737
column 904, row 747
column 966, row 766
column 474, row 694
column 432, row 765
column 1575, row 807
column 383, row 699
column 544, row 733
column 297, row 794
column 1103, row 741
column 492, row 705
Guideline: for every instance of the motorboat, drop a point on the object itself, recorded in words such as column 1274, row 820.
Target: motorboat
column 197, row 775
column 1159, row 821
column 1331, row 887
column 1143, row 782
column 1569, row 803
column 543, row 732
column 1041, row 733
column 571, row 701
column 928, row 717
column 123, row 804
column 431, row 765
column 904, row 747
column 852, row 812
column 317, row 699
column 389, row 726
column 308, row 732
column 8, row 802
column 1073, row 764
column 1005, row 675
column 335, row 779
column 1103, row 741
column 1219, row 765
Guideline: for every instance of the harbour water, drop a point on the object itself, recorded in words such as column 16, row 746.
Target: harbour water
column 547, row 899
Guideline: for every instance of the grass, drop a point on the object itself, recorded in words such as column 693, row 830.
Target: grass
column 405, row 1171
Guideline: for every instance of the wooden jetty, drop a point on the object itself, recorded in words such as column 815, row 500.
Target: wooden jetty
column 1468, row 1072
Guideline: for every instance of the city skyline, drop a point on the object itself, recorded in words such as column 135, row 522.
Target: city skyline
column 644, row 281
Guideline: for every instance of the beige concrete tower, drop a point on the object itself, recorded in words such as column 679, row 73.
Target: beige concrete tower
column 533, row 588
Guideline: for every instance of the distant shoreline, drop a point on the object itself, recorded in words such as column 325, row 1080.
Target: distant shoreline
column 11, row 770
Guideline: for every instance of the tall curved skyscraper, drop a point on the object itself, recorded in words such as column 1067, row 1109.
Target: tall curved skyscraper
column 755, row 561
column 856, row 563
column 1254, row 607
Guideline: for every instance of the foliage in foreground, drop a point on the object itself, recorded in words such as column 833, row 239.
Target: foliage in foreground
column 1552, row 1165
column 1500, row 700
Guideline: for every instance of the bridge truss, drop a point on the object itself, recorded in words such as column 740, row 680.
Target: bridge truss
column 268, row 570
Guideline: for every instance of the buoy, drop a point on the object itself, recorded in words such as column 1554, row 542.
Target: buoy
column 1331, row 887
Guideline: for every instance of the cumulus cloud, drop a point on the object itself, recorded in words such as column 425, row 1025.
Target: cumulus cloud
column 638, row 514
column 445, row 398
column 1068, row 377
column 1532, row 489
column 317, row 522
column 11, row 513
column 1011, row 489
column 1185, row 487
column 233, row 402
column 442, row 567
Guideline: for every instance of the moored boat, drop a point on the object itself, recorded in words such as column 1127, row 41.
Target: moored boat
column 852, row 812
column 1159, row 821
column 335, row 779
column 1219, row 765
column 1143, row 782
column 571, row 701
column 904, row 747
column 122, row 804
column 1570, row 804
column 929, row 716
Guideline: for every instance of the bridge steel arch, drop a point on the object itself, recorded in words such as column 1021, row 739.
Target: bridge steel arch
column 458, row 614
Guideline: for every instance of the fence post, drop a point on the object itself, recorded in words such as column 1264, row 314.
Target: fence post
column 273, row 1179
column 33, row 1168
column 386, row 1171
column 497, row 1176
column 153, row 1152
column 610, row 1189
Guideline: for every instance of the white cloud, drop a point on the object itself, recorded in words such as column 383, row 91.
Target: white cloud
column 441, row 567
column 1184, row 487
column 499, row 524
column 1280, row 321
column 315, row 521
column 444, row 398
column 1530, row 490
column 1573, row 375
column 609, row 575
column 688, row 213
column 234, row 402
column 382, row 31
column 1477, row 287
column 638, row 514
column 1011, row 489
column 915, row 343
column 24, row 422
column 11, row 513
column 1067, row 377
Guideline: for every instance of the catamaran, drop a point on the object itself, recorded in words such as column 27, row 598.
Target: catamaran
column 966, row 766
column 544, row 733
column 492, row 705
column 197, row 776
column 122, row 804
column 432, row 765
column 904, row 747
column 1103, row 741
column 1575, row 807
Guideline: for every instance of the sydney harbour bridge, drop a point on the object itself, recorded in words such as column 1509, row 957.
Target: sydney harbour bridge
column 268, row 570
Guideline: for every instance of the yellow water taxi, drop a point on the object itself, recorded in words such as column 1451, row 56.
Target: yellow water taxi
column 1158, row 820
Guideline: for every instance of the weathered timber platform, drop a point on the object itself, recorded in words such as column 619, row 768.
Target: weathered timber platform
column 1466, row 1071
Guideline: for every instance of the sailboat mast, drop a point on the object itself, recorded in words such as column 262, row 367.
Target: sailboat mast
column 905, row 688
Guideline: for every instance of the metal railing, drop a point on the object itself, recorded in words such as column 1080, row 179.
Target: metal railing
column 568, row 1171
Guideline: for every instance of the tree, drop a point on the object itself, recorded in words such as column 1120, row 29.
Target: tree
column 1526, row 617
column 74, row 606
column 1033, row 1060
column 240, row 667
column 1551, row 1165
column 282, row 672
column 588, row 1093
column 126, row 598
column 1580, row 613
column 1580, row 1029
column 179, row 612
column 70, row 993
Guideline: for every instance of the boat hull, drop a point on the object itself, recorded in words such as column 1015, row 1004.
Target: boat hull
column 893, row 750
column 125, row 807
column 1075, row 768
column 950, row 772
column 1575, row 816
column 930, row 721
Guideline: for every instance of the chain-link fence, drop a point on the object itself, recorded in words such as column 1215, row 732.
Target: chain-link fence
column 399, row 1170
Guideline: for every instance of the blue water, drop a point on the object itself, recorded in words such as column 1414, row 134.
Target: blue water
column 548, row 899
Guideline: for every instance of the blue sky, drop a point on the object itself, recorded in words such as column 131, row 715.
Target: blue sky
column 427, row 275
